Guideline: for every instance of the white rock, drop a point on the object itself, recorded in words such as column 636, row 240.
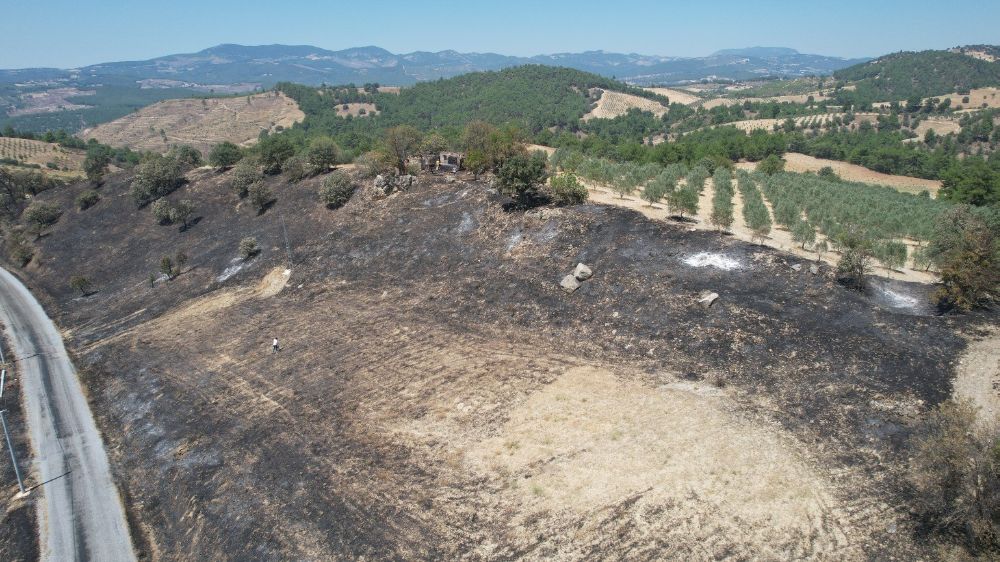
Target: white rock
column 814, row 269
column 582, row 272
column 707, row 298
column 569, row 283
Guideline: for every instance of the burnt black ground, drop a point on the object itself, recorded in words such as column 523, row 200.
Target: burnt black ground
column 846, row 377
column 18, row 522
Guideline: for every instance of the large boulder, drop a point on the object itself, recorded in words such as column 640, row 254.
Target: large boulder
column 582, row 272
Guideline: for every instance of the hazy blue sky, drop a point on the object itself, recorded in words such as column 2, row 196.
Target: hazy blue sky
column 67, row 33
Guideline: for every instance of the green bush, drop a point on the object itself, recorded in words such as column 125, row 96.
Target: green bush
column 771, row 165
column 161, row 211
column 260, row 197
column 567, row 190
column 322, row 154
column 520, row 177
column 186, row 155
column 244, row 174
column 224, row 155
column 41, row 215
column 155, row 177
column 296, row 168
column 81, row 284
column 248, row 248
column 337, row 190
column 87, row 199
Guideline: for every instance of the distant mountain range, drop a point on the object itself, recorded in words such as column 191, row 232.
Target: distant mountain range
column 265, row 65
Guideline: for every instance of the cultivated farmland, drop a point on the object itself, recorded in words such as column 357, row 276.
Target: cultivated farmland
column 49, row 156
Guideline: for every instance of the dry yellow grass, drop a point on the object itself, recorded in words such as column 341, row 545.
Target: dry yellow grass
column 941, row 126
column 675, row 95
column 199, row 123
column 615, row 104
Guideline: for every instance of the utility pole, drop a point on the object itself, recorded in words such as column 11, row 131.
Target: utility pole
column 10, row 446
column 284, row 232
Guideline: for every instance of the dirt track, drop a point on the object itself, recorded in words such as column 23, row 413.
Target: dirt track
column 439, row 396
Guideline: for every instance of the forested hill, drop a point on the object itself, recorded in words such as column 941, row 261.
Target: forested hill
column 531, row 97
column 922, row 74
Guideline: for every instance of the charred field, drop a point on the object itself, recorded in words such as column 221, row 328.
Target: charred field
column 438, row 395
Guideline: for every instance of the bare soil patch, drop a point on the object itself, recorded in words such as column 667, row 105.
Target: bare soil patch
column 978, row 376
column 201, row 123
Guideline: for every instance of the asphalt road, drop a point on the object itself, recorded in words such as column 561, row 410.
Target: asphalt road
column 80, row 514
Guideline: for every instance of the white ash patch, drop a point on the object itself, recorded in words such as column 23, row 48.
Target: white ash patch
column 235, row 267
column 711, row 259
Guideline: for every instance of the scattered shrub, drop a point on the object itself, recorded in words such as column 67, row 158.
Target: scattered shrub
column 181, row 212
column 224, row 155
column 955, row 470
column 244, row 174
column 39, row 216
column 87, row 199
column 374, row 163
column 567, row 190
column 161, row 211
column 520, row 177
column 337, row 190
column 187, row 156
column 296, row 168
column 322, row 154
column 81, row 284
column 856, row 258
column 260, row 197
column 248, row 248
column 771, row 165
column 155, row 177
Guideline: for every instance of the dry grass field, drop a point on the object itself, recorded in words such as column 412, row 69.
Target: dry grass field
column 941, row 126
column 676, row 95
column 615, row 104
column 200, row 123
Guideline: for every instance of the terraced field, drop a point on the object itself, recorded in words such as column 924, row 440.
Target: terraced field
column 614, row 104
column 201, row 123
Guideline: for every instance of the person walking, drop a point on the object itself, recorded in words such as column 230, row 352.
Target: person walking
column 274, row 346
